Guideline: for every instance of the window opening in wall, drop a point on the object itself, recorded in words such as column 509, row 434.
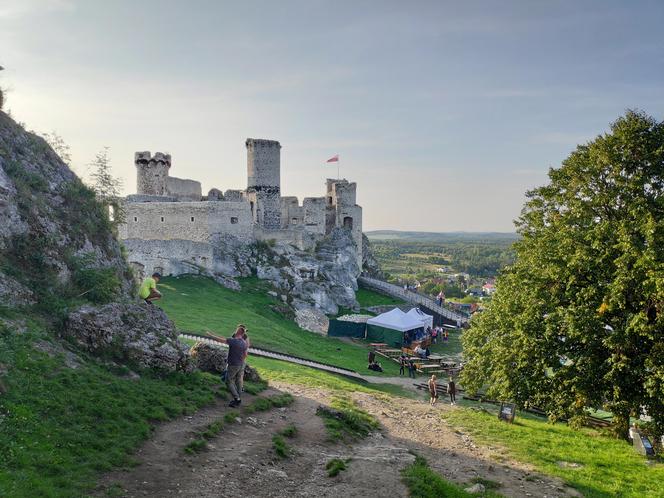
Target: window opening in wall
column 233, row 220
column 348, row 222
column 192, row 218
column 294, row 221
column 135, row 218
column 162, row 219
column 329, row 200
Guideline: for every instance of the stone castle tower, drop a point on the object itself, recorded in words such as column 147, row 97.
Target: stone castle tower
column 264, row 182
column 152, row 173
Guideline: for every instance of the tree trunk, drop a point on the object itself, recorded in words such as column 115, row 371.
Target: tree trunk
column 620, row 425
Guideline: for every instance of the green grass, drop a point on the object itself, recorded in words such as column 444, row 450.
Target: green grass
column 335, row 466
column 281, row 449
column 289, row 431
column 281, row 371
column 345, row 421
column 61, row 427
column 265, row 404
column 422, row 482
column 452, row 347
column 198, row 304
column 609, row 467
column 368, row 297
column 229, row 417
column 196, row 446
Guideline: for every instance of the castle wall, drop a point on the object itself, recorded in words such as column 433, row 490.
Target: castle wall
column 151, row 172
column 314, row 214
column 291, row 212
column 194, row 221
column 264, row 181
column 168, row 257
column 184, row 190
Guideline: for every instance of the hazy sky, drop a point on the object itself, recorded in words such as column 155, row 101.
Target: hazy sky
column 443, row 112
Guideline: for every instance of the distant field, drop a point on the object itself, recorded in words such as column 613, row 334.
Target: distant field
column 441, row 236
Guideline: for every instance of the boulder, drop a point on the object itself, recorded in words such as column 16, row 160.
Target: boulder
column 209, row 357
column 475, row 489
column 251, row 374
column 312, row 319
column 136, row 334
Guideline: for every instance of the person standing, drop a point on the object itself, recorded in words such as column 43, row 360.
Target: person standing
column 372, row 356
column 411, row 369
column 148, row 291
column 451, row 390
column 433, row 390
column 402, row 364
column 237, row 354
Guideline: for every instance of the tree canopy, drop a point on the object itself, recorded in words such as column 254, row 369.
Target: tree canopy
column 577, row 321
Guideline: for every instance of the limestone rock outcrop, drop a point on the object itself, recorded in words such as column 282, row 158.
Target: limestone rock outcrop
column 135, row 334
column 369, row 264
column 209, row 358
column 49, row 221
column 313, row 320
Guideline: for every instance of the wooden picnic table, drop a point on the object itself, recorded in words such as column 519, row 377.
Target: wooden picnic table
column 377, row 345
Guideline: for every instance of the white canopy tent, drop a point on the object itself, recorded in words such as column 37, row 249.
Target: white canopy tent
column 396, row 320
column 418, row 314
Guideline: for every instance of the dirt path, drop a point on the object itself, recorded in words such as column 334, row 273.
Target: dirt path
column 241, row 461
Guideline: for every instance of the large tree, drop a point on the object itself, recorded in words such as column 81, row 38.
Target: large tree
column 578, row 321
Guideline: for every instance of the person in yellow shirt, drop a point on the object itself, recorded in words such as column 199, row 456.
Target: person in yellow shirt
column 148, row 290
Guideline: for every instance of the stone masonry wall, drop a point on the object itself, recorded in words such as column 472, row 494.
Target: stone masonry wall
column 264, row 181
column 152, row 172
column 184, row 190
column 194, row 221
column 314, row 214
column 169, row 257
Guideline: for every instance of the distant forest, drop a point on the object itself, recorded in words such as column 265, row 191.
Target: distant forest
column 479, row 254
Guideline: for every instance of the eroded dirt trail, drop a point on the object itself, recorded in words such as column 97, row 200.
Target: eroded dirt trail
column 241, row 461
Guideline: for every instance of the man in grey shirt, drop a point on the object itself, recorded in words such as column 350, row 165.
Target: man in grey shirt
column 237, row 354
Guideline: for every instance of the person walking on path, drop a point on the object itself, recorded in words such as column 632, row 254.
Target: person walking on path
column 237, row 354
column 402, row 364
column 433, row 390
column 148, row 291
column 451, row 390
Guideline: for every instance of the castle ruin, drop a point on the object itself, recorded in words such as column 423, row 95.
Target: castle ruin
column 169, row 222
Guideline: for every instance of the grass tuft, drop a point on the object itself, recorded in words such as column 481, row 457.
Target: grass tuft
column 281, row 449
column 344, row 421
column 290, row 431
column 422, row 482
column 335, row 466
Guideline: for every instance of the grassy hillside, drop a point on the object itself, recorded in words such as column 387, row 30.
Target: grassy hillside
column 61, row 426
column 596, row 465
column 198, row 304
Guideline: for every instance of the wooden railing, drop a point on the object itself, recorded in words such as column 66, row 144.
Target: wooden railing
column 413, row 297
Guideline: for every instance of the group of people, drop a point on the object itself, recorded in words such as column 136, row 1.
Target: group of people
column 433, row 390
column 373, row 364
column 405, row 362
column 239, row 344
column 439, row 333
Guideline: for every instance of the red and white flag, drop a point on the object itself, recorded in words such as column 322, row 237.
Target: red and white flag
column 333, row 159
